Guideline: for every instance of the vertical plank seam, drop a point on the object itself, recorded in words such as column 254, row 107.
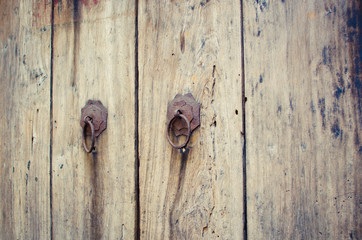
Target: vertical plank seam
column 245, row 220
column 51, row 122
column 136, row 132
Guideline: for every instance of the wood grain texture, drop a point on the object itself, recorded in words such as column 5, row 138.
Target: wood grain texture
column 191, row 47
column 303, row 119
column 25, row 38
column 94, row 50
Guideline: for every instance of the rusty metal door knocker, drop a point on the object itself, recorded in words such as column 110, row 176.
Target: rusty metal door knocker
column 95, row 115
column 183, row 116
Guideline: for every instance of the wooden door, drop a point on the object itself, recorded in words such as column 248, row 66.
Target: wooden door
column 278, row 151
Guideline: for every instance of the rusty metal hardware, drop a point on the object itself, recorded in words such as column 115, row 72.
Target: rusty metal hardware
column 178, row 115
column 183, row 116
column 95, row 115
column 88, row 121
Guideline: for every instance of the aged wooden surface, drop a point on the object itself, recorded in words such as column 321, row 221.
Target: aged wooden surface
column 195, row 47
column 94, row 50
column 303, row 119
column 24, row 119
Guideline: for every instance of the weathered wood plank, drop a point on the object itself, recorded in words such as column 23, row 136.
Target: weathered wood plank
column 191, row 46
column 25, row 39
column 303, row 119
column 94, row 50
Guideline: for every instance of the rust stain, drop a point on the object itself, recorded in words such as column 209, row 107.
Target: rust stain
column 174, row 228
column 41, row 13
column 311, row 15
column 96, row 209
column 71, row 11
column 84, row 2
column 187, row 33
column 7, row 8
column 36, row 12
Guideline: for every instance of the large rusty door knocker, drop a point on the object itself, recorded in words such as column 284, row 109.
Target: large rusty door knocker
column 183, row 116
column 95, row 115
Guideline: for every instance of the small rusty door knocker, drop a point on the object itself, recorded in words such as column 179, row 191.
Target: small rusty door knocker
column 183, row 116
column 95, row 115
